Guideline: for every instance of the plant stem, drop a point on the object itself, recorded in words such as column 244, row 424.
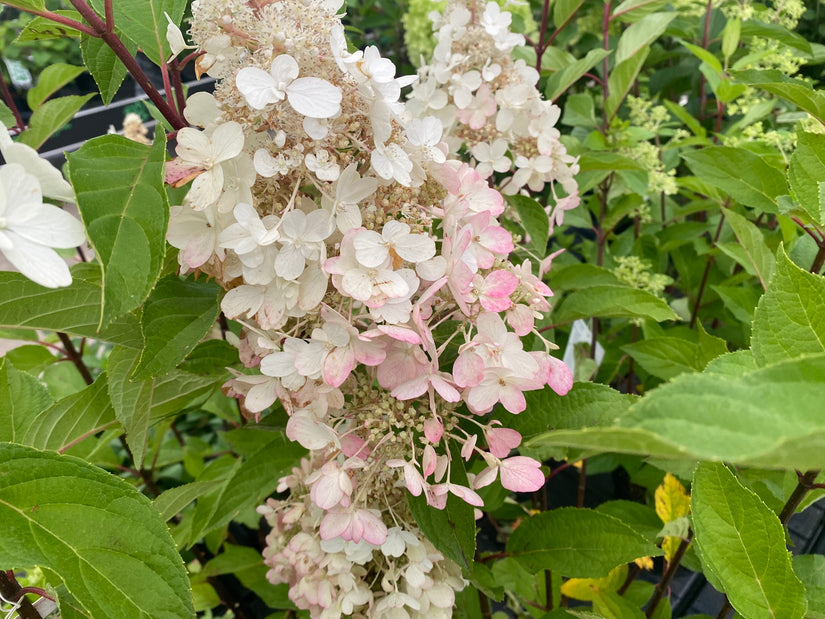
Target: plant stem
column 582, row 487
column 703, row 97
column 605, row 62
column 12, row 591
column 60, row 19
column 664, row 583
column 803, row 486
column 819, row 260
column 113, row 41
column 726, row 607
column 76, row 358
column 9, row 99
column 545, row 12
column 110, row 15
column 695, row 314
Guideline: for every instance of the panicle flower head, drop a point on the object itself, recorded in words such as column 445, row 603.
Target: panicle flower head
column 348, row 236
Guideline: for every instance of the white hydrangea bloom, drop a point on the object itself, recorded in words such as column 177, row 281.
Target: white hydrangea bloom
column 30, row 230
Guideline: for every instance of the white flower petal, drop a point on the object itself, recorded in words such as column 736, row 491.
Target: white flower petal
column 314, row 97
column 258, row 87
column 39, row 263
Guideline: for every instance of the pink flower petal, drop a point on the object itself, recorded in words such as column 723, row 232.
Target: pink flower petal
column 521, row 474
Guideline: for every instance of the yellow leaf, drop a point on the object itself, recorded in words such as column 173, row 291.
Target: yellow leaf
column 672, row 500
column 645, row 563
column 586, row 589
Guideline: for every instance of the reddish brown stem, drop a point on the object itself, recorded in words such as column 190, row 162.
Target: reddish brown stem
column 74, row 357
column 12, row 591
column 9, row 99
column 695, row 314
column 663, row 584
column 108, row 8
column 113, row 41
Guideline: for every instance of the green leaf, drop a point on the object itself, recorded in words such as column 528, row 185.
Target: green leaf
column 585, row 405
column 451, row 530
column 760, row 258
column 641, row 518
column 22, row 398
column 667, row 357
column 583, row 275
column 249, row 484
column 213, row 357
column 6, row 115
column 682, row 114
column 51, row 79
column 612, row 302
column 743, row 543
column 74, row 309
column 580, row 543
column 103, row 537
column 621, row 80
column 611, row 605
column 796, row 91
column 176, row 316
column 106, row 69
column 31, row 5
column 74, row 418
column 563, row 10
column 789, row 320
column 535, row 221
column 721, row 416
column 810, row 569
column 172, row 501
column 806, row 172
column 41, row 28
column 561, row 80
column 49, row 117
column 144, row 22
column 633, row 10
column 138, row 402
column 767, row 30
column 122, row 200
column 743, row 175
column 705, row 56
column 640, row 35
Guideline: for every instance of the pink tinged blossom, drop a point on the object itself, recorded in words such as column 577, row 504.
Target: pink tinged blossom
column 502, row 440
column 192, row 232
column 303, row 428
column 559, row 376
column 486, row 477
column 418, row 386
column 353, row 525
column 352, row 446
column 433, row 429
column 521, row 474
column 462, row 492
column 468, row 369
column 429, row 459
column 330, row 486
column 412, row 477
column 494, row 290
column 403, row 363
column 478, row 109
column 468, row 447
column 521, row 318
column 488, row 240
column 498, row 385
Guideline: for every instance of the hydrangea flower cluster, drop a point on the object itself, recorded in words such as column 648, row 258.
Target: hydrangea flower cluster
column 379, row 305
column 488, row 103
